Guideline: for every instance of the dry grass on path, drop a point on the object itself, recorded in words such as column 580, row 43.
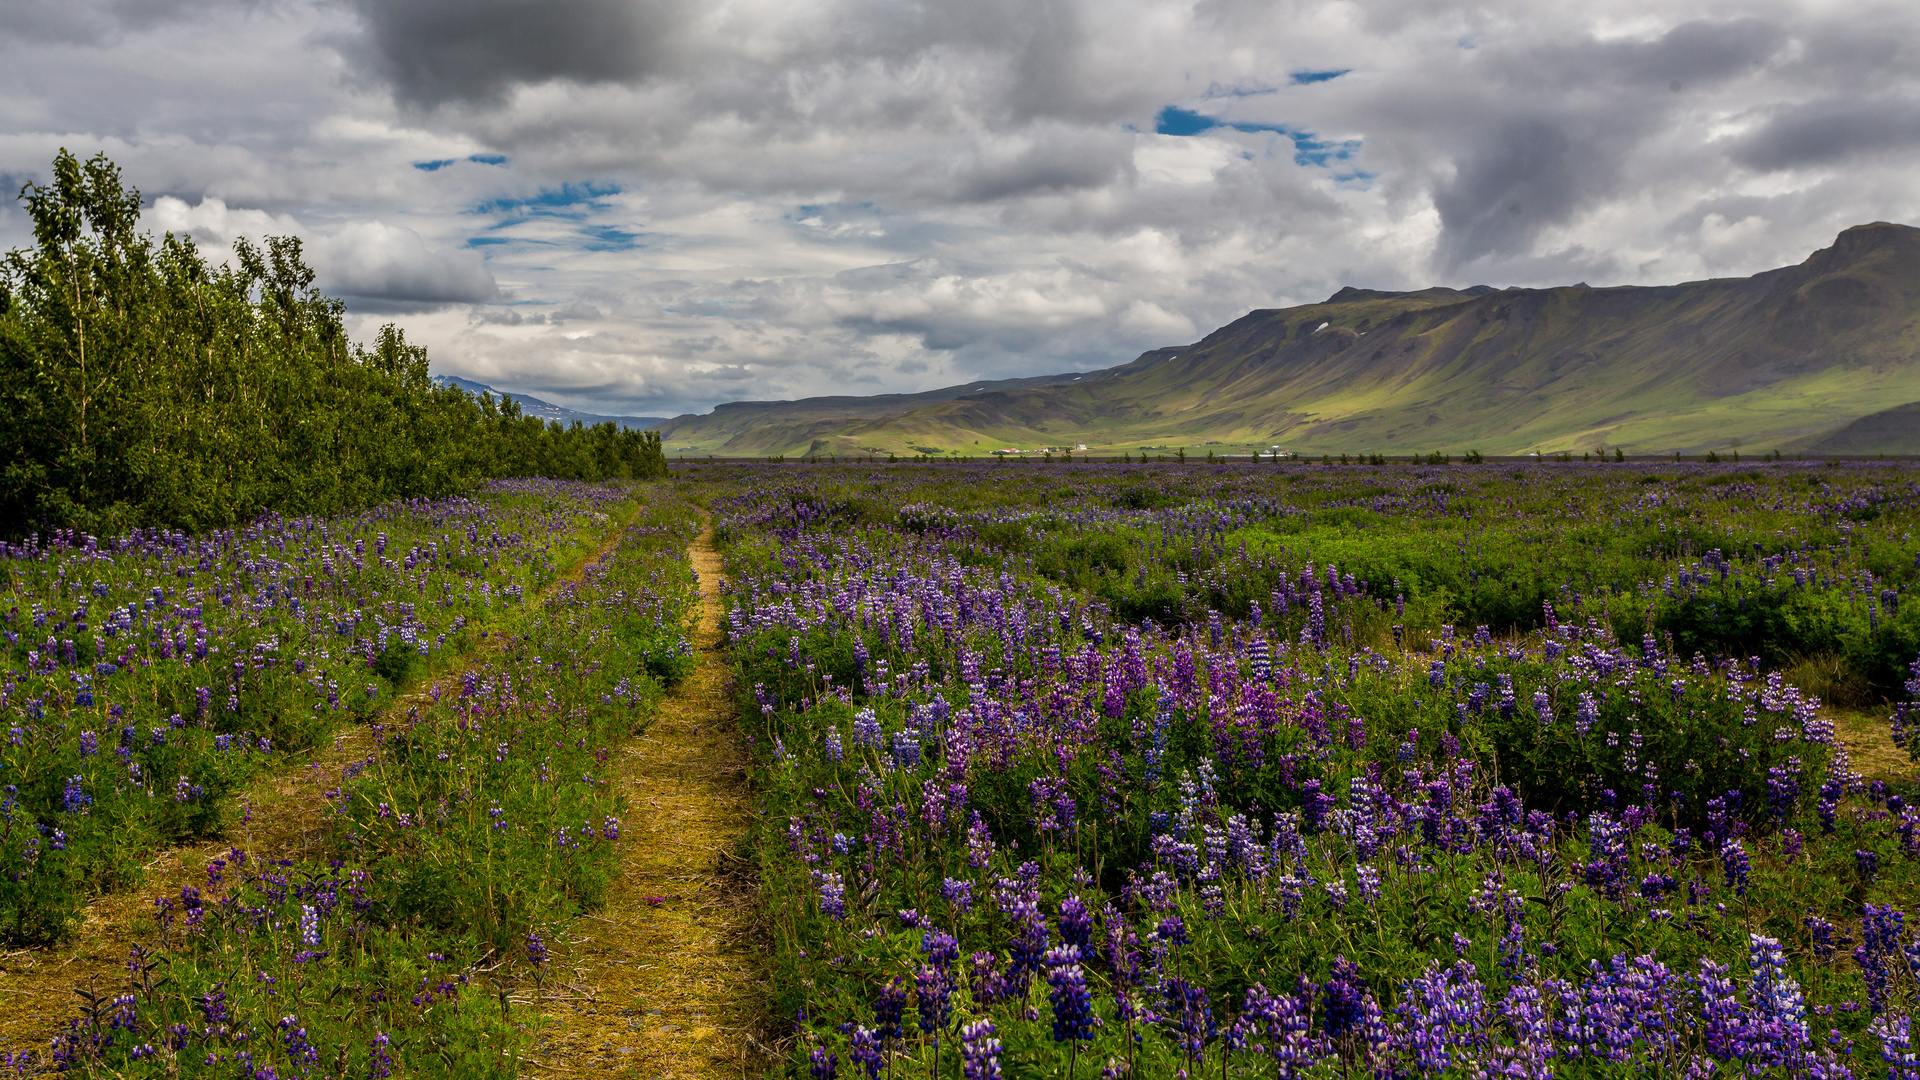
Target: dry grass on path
column 1869, row 742
column 663, row 980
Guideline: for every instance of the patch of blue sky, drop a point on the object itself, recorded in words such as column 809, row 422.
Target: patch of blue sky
column 567, row 200
column 1308, row 148
column 434, row 166
column 1302, row 78
column 609, row 238
column 485, row 241
column 487, row 159
column 1174, row 120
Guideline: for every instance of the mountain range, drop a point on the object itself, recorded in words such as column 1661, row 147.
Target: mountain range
column 1794, row 359
column 546, row 410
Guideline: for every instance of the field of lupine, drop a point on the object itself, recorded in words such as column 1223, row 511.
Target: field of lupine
column 1316, row 771
column 149, row 676
column 479, row 822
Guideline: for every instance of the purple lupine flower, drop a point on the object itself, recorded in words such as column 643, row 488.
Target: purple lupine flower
column 822, row 1065
column 1735, row 866
column 933, row 1000
column 1867, row 865
column 1076, row 923
column 1285, row 1021
column 1722, row 1019
column 1783, row 789
column 1072, row 1002
column 833, row 894
column 1172, row 930
column 1342, row 994
column 866, row 1053
column 988, row 984
column 1777, row 1000
column 866, row 730
column 1030, row 938
column 1881, row 930
column 75, row 800
column 889, row 1012
column 979, row 1051
column 941, row 949
column 1585, row 714
column 1368, row 879
column 979, row 842
column 536, row 949
column 1895, row 1035
column 1188, row 1016
column 379, row 1062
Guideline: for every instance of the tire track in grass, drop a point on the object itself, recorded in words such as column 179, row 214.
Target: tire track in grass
column 663, row 981
column 287, row 818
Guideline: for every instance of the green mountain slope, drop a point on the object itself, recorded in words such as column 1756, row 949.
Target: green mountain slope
column 1889, row 431
column 1760, row 362
column 774, row 427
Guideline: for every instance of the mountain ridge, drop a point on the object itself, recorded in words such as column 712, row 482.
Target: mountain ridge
column 547, row 410
column 1769, row 361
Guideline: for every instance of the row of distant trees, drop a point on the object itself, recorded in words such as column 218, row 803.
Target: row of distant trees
column 141, row 385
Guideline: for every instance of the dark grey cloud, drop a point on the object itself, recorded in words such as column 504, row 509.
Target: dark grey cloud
column 438, row 51
column 1694, row 52
column 1557, row 134
column 1052, row 159
column 1832, row 131
column 1522, row 176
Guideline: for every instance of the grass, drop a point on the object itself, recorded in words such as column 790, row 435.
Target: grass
column 663, row 980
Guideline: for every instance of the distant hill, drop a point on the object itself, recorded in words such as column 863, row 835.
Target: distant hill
column 1757, row 363
column 1889, row 431
column 546, row 410
column 780, row 427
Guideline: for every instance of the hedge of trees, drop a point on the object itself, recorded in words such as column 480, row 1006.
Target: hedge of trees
column 141, row 385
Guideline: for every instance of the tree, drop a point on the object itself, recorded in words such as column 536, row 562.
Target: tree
column 141, row 386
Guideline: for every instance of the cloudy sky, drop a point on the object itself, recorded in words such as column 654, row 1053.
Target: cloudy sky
column 650, row 206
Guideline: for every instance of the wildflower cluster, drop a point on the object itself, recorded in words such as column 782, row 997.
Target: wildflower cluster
column 143, row 678
column 482, row 821
column 1196, row 783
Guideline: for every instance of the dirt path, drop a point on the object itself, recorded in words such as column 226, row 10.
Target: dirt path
column 661, row 981
column 288, row 819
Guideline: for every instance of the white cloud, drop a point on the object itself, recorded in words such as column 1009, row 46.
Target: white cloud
column 375, row 266
column 392, row 265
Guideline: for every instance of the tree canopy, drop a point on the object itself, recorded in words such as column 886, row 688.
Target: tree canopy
column 141, row 385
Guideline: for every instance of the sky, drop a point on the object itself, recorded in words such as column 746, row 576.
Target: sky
column 648, row 207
